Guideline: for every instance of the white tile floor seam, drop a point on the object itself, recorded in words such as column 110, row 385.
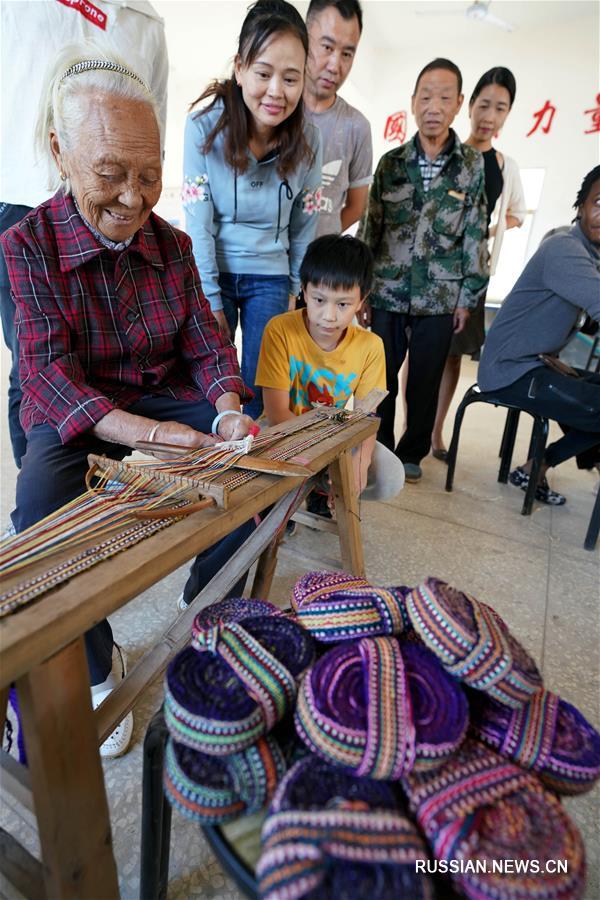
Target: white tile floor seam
column 533, row 569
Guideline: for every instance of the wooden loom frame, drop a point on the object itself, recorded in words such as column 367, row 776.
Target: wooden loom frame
column 41, row 649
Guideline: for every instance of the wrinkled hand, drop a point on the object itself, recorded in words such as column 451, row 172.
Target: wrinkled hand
column 182, row 435
column 223, row 324
column 460, row 319
column 364, row 315
column 234, row 428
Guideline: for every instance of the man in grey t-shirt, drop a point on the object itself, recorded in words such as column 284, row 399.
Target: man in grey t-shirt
column 334, row 29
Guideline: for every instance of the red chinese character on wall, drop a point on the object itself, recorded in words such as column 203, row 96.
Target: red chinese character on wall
column 395, row 127
column 595, row 114
column 547, row 111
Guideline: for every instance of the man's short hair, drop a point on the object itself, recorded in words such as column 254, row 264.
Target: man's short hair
column 339, row 262
column 586, row 186
column 346, row 8
column 440, row 63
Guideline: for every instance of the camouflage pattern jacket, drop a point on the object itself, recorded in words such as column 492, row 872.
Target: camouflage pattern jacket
column 430, row 247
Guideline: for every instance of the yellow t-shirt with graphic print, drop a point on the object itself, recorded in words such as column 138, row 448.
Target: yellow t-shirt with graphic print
column 290, row 360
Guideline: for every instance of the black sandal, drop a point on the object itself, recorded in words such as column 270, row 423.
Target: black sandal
column 520, row 478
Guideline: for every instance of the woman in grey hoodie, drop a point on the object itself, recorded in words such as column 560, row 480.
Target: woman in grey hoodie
column 252, row 175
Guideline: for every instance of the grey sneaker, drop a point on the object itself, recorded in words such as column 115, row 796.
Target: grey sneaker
column 412, row 472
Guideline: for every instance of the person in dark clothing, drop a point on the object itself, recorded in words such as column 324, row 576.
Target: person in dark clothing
column 537, row 319
column 489, row 106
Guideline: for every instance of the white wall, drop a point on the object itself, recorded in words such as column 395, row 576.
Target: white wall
column 558, row 62
column 553, row 52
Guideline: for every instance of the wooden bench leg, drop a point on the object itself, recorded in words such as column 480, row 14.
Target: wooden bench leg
column 265, row 570
column 66, row 777
column 267, row 561
column 346, row 510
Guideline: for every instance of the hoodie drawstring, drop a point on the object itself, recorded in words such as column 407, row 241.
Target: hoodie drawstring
column 290, row 196
column 234, row 196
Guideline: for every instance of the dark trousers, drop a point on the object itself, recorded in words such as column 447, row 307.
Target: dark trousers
column 10, row 215
column 53, row 473
column 428, row 338
column 572, row 402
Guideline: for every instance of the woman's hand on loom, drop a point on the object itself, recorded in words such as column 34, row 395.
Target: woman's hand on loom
column 182, row 435
column 235, row 427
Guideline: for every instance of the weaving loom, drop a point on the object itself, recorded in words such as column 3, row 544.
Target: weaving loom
column 42, row 648
column 127, row 502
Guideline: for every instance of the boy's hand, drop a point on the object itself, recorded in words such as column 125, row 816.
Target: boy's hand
column 364, row 315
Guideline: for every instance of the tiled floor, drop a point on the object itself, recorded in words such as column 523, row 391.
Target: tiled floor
column 533, row 570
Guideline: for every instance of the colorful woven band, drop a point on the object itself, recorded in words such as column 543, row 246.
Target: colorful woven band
column 222, row 701
column 217, row 737
column 212, row 790
column 299, row 845
column 386, row 749
column 481, row 809
column 390, row 746
column 528, row 740
column 472, row 642
column 315, row 585
column 337, row 607
column 461, row 787
column 547, row 735
column 266, row 679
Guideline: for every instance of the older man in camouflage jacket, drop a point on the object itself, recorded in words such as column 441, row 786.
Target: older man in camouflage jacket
column 425, row 223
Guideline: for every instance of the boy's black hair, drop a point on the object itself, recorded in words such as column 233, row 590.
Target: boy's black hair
column 338, row 261
column 586, row 186
column 440, row 63
column 346, row 8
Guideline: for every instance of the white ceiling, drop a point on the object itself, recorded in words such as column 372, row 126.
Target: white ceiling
column 389, row 24
column 394, row 23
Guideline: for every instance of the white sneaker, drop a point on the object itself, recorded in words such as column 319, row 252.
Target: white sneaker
column 181, row 604
column 118, row 741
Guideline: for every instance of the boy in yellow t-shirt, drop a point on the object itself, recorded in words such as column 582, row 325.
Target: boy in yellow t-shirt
column 317, row 354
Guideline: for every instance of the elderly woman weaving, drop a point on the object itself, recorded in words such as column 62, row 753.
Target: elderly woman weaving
column 117, row 341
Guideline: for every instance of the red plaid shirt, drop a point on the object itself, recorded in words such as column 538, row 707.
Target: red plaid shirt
column 100, row 328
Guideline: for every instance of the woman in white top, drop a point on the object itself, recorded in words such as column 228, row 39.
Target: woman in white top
column 490, row 104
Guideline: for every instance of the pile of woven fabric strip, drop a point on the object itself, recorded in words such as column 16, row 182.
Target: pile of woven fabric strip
column 381, row 729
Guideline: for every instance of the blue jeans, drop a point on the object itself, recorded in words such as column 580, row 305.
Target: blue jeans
column 61, row 469
column 254, row 299
column 10, row 214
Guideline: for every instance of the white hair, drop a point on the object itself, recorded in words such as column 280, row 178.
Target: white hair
column 60, row 107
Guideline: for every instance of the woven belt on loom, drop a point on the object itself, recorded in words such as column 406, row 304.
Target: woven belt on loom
column 235, row 682
column 380, row 709
column 472, row 642
column 213, row 789
column 483, row 808
column 308, row 848
column 336, row 606
column 547, row 735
